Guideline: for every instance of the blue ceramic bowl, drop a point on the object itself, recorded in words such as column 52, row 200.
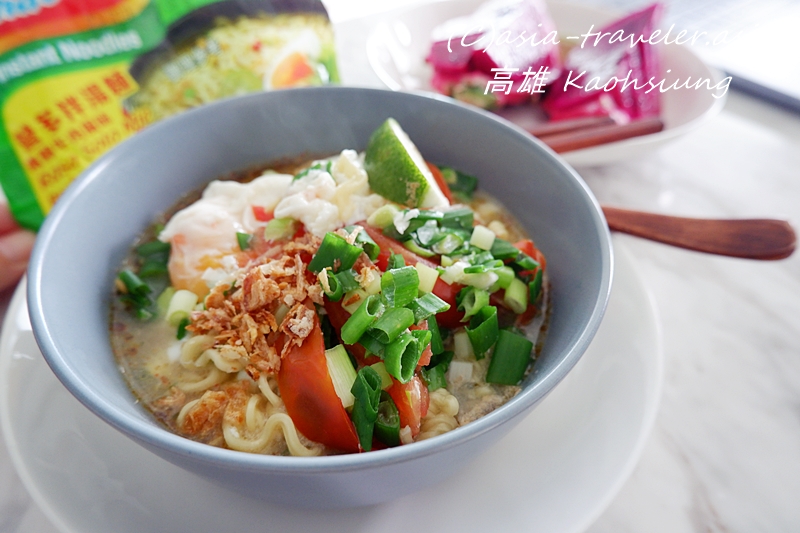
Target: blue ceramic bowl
column 92, row 226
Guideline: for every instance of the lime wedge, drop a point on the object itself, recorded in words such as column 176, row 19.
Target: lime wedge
column 397, row 171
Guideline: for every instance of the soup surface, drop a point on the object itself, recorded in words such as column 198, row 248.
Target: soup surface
column 298, row 312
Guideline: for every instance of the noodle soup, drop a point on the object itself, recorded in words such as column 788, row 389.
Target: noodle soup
column 301, row 313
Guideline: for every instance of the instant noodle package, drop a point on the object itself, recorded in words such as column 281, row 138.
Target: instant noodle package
column 79, row 76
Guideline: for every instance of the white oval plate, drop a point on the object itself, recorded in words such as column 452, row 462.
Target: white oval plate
column 555, row 472
column 401, row 39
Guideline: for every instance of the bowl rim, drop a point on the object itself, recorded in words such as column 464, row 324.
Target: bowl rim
column 156, row 437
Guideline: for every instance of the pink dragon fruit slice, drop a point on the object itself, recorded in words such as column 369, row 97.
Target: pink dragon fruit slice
column 592, row 69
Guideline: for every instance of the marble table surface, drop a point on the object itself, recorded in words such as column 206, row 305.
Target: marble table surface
column 724, row 453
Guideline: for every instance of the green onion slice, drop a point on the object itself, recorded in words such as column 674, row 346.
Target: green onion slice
column 152, row 248
column 400, row 285
column 535, row 286
column 334, row 290
column 334, row 252
column 182, row 328
column 280, row 228
column 471, row 300
column 243, row 239
column 367, row 393
column 435, row 377
column 458, row 218
column 361, row 319
column 525, row 262
column 437, row 345
column 427, row 306
column 449, row 244
column 387, row 424
column 516, row 296
column 372, row 344
column 462, row 185
column 504, row 250
column 347, row 279
column 153, row 267
column 134, row 284
column 510, row 359
column 365, row 242
column 391, row 324
column 396, row 261
column 402, row 356
column 483, row 330
column 417, row 249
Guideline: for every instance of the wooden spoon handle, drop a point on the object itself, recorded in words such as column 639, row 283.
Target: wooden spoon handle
column 748, row 238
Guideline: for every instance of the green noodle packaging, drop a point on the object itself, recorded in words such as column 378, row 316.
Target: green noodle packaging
column 79, row 76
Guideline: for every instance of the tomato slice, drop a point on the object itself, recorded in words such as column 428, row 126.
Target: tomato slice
column 412, row 400
column 447, row 292
column 261, row 214
column 309, row 396
column 440, row 181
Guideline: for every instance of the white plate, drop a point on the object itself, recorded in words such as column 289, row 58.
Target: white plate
column 401, row 39
column 555, row 472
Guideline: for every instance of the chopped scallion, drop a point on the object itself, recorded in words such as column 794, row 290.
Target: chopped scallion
column 181, row 306
column 330, row 285
column 387, row 424
column 427, row 233
column 391, row 324
column 462, row 185
column 334, row 252
column 437, row 345
column 536, row 285
column 342, row 374
column 279, row 228
column 417, row 249
column 347, row 279
column 153, row 247
column 504, row 250
column 512, row 353
column 153, row 267
column 134, row 284
column 449, row 244
column 396, row 261
column 366, row 391
column 402, row 356
column 361, row 320
column 462, row 345
column 505, row 275
column 525, row 262
column 243, row 239
column 353, row 299
column 372, row 344
column 483, row 330
column 516, row 296
column 458, row 218
column 162, row 302
column 181, row 333
column 471, row 299
column 400, row 286
column 435, row 377
column 386, row 379
column 365, row 242
column 426, row 306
